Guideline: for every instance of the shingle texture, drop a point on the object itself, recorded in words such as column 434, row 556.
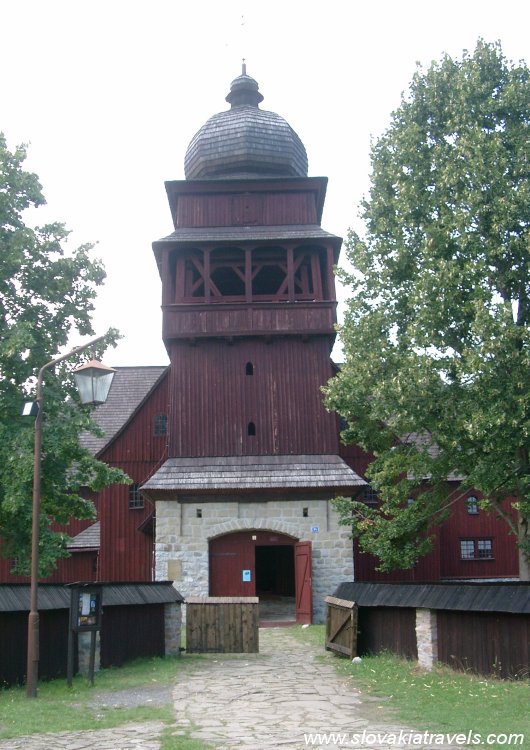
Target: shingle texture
column 473, row 597
column 129, row 388
column 237, row 234
column 253, row 473
column 87, row 539
column 15, row 597
column 245, row 141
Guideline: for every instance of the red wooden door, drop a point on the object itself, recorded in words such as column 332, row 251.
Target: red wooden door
column 303, row 583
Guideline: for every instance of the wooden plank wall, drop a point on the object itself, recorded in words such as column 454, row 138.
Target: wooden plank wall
column 131, row 632
column 126, row 551
column 215, row 400
column 387, row 629
column 53, row 644
column 485, row 642
column 227, row 625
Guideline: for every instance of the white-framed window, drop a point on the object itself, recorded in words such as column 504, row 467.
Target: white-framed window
column 476, row 549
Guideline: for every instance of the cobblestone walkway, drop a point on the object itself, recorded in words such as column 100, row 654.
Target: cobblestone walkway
column 268, row 701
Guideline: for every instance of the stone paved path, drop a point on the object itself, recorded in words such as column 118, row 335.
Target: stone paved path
column 267, row 701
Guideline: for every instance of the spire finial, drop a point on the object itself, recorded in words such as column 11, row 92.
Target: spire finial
column 244, row 68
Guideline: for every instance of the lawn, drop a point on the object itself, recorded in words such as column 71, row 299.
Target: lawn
column 59, row 708
column 441, row 701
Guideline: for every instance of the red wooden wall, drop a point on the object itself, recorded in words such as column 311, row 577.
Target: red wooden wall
column 215, row 400
column 444, row 562
column 81, row 566
column 127, row 551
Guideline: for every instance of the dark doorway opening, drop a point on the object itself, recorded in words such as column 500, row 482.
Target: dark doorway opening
column 275, row 582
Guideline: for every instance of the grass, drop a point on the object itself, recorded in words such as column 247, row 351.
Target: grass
column 442, row 701
column 59, row 708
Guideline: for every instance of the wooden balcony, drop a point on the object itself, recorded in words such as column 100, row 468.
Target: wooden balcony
column 232, row 319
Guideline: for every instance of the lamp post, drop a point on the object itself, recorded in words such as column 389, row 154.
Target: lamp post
column 93, row 381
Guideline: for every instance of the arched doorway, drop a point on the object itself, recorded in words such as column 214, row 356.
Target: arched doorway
column 275, row 567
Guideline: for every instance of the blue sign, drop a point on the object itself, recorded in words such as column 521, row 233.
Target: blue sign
column 315, row 529
column 246, row 576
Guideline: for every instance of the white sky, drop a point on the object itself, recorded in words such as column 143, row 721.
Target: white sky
column 109, row 93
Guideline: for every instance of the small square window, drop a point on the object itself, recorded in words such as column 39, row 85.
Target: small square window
column 467, row 549
column 198, row 512
column 472, row 505
column 160, row 424
column 136, row 499
column 369, row 496
column 485, row 549
column 305, row 512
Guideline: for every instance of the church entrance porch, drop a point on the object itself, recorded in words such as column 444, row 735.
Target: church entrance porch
column 273, row 566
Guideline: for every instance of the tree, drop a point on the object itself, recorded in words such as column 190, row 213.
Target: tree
column 46, row 293
column 437, row 365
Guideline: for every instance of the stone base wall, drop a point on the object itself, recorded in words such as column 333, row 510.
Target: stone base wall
column 184, row 527
column 173, row 628
column 427, row 637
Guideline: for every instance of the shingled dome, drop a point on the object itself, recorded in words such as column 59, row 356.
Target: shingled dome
column 245, row 141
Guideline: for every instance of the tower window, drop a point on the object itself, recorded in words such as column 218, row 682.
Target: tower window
column 198, row 512
column 160, row 427
column 136, row 499
column 305, row 512
column 251, row 429
column 249, row 368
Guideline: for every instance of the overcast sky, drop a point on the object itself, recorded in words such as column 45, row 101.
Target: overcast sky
column 109, row 93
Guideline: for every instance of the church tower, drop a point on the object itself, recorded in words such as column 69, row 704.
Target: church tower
column 248, row 300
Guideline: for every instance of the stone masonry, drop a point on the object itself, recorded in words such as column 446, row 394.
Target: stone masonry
column 427, row 637
column 182, row 538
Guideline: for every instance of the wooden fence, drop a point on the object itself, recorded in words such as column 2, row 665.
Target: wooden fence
column 133, row 625
column 222, row 624
column 480, row 627
column 341, row 626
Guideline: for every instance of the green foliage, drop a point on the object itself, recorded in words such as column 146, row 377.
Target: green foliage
column 46, row 293
column 436, row 337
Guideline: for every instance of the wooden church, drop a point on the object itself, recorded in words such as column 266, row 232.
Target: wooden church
column 249, row 308
column 234, row 459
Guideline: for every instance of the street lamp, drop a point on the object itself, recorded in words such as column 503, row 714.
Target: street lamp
column 93, row 381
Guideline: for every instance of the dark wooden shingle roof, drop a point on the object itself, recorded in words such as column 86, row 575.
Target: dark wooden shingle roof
column 253, row 473
column 276, row 234
column 14, row 597
column 87, row 539
column 474, row 597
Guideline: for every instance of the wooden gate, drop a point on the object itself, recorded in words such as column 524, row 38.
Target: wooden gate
column 222, row 624
column 303, row 583
column 341, row 626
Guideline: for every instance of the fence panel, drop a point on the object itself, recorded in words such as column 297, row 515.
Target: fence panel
column 222, row 624
column 341, row 626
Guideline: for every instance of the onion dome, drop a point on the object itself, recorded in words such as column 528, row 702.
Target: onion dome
column 245, row 141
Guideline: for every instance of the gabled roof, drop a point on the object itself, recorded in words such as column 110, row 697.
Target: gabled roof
column 88, row 539
column 130, row 387
column 229, row 474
